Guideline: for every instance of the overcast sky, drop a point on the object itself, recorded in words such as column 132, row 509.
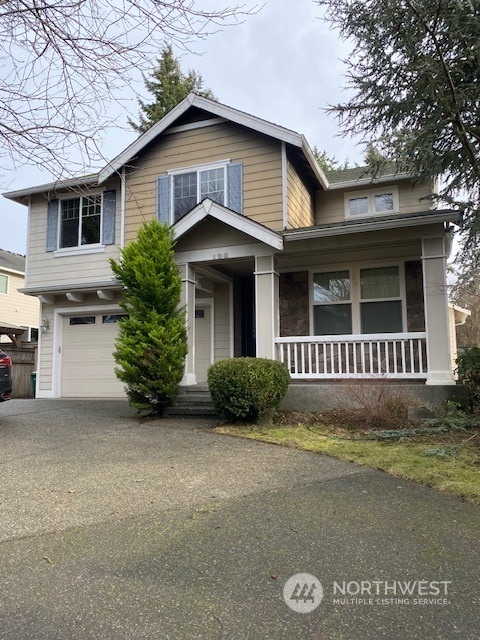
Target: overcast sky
column 282, row 64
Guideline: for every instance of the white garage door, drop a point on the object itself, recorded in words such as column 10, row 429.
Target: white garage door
column 87, row 357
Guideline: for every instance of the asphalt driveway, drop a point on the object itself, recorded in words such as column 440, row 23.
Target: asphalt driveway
column 114, row 528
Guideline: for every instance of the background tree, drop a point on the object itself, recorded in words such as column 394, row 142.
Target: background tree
column 60, row 62
column 415, row 77
column 151, row 346
column 465, row 292
column 168, row 86
column 328, row 163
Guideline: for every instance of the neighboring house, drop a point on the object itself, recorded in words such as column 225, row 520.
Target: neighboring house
column 338, row 276
column 16, row 309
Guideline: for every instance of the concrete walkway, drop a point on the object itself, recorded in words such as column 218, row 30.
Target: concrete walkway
column 117, row 528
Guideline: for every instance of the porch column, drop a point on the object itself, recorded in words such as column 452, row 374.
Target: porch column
column 266, row 305
column 434, row 257
column 187, row 300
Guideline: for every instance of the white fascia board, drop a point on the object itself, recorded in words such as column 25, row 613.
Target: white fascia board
column 50, row 186
column 317, row 169
column 383, row 225
column 234, row 220
column 370, row 180
column 137, row 145
column 15, row 271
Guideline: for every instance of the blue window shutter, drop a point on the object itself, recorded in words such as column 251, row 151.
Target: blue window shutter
column 234, row 187
column 109, row 215
column 52, row 225
column 163, row 199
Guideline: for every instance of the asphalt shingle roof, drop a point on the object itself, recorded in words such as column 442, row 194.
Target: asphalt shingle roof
column 10, row 260
column 361, row 173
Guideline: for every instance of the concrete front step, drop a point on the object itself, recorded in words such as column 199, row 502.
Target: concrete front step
column 192, row 402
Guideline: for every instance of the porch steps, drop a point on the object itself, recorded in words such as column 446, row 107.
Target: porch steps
column 192, row 402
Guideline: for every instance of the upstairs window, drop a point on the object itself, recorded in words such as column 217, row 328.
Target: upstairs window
column 371, row 202
column 180, row 190
column 80, row 221
column 192, row 187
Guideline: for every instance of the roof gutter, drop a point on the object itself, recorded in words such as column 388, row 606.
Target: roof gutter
column 374, row 225
column 17, row 196
column 370, row 180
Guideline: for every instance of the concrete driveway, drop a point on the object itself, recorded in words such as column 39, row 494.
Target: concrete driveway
column 114, row 528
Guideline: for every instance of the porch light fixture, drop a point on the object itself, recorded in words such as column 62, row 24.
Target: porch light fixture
column 45, row 326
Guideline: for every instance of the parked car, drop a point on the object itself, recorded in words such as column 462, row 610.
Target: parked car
column 5, row 377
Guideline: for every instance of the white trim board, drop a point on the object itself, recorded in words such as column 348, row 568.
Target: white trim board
column 235, row 220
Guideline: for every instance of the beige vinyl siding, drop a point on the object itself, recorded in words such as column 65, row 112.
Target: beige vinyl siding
column 262, row 171
column 300, row 206
column 330, row 205
column 15, row 307
column 45, row 362
column 389, row 244
column 222, row 322
column 43, row 268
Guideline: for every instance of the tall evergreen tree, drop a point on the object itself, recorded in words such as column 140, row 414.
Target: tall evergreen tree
column 414, row 76
column 168, row 86
column 151, row 345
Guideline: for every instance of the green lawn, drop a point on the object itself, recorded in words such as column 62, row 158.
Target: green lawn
column 457, row 472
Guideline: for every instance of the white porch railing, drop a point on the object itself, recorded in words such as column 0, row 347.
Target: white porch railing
column 392, row 355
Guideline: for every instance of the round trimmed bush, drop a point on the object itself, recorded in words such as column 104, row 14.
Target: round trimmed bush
column 245, row 389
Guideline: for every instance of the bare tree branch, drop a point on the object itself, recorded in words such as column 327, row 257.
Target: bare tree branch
column 62, row 62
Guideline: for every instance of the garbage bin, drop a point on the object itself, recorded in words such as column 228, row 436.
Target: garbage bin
column 33, row 380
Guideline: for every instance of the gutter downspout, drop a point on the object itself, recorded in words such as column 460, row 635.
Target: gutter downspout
column 123, row 196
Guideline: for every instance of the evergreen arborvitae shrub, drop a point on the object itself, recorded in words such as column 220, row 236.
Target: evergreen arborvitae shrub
column 245, row 389
column 151, row 345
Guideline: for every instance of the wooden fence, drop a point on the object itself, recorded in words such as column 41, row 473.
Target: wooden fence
column 23, row 363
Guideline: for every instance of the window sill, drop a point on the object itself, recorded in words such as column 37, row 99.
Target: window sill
column 372, row 214
column 79, row 251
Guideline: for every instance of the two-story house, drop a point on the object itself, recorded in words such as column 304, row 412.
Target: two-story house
column 338, row 276
column 17, row 311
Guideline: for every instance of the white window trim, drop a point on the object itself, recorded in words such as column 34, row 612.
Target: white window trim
column 198, row 168
column 7, row 282
column 79, row 248
column 370, row 194
column 355, row 292
column 78, row 251
column 29, row 330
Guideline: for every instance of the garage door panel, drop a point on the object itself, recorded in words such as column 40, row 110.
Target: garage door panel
column 87, row 360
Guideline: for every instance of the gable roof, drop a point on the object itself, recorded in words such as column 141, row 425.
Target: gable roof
column 223, row 111
column 12, row 261
column 208, row 208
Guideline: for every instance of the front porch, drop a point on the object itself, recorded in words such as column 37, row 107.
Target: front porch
column 365, row 306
